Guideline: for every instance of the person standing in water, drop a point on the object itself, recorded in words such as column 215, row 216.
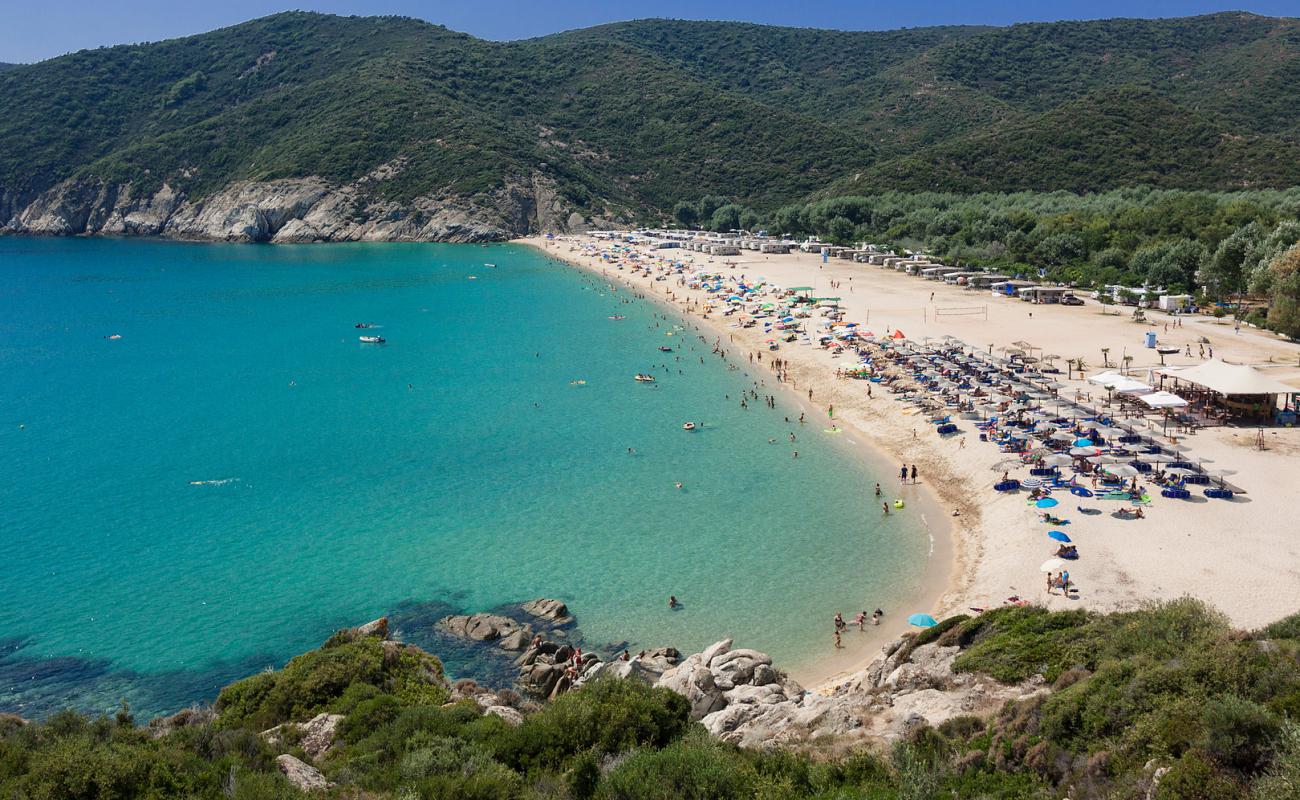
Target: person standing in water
column 913, row 473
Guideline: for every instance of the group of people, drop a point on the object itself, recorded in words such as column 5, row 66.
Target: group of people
column 860, row 620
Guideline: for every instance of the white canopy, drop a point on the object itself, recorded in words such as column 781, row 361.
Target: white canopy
column 1120, row 383
column 1163, row 400
column 1103, row 378
column 1224, row 378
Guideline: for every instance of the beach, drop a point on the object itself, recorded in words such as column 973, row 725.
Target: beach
column 1238, row 555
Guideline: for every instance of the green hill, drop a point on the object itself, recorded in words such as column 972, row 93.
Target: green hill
column 398, row 117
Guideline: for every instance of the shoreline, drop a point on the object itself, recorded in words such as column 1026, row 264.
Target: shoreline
column 940, row 578
column 1233, row 555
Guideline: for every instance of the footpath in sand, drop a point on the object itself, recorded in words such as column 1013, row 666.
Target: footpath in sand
column 1241, row 556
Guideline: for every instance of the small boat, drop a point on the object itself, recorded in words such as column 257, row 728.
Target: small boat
column 644, row 378
column 490, row 266
column 665, row 349
column 689, row 426
column 372, row 339
column 617, row 316
column 363, row 325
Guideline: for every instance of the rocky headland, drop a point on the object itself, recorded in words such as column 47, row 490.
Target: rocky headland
column 290, row 210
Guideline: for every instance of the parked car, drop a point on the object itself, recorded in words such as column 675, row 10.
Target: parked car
column 1071, row 300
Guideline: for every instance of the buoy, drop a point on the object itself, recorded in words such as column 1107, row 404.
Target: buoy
column 898, row 504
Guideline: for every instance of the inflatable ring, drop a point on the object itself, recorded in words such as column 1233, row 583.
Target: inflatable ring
column 898, row 504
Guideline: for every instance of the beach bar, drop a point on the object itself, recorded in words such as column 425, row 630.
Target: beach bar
column 1221, row 391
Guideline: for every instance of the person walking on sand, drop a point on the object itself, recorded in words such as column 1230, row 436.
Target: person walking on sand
column 902, row 474
column 838, row 644
column 913, row 473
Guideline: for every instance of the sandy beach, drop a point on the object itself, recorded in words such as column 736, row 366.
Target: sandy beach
column 1240, row 555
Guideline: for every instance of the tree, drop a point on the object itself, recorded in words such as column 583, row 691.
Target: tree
column 840, row 230
column 749, row 220
column 708, row 205
column 1060, row 249
column 726, row 218
column 1223, row 274
column 1284, row 310
column 686, row 214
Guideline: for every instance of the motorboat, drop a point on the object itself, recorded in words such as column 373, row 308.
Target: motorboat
column 642, row 377
column 490, row 266
column 372, row 339
column 665, row 349
column 363, row 325
column 617, row 316
column 689, row 426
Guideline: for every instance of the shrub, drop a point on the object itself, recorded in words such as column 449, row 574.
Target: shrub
column 608, row 715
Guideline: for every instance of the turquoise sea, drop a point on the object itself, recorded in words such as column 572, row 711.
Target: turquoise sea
column 237, row 476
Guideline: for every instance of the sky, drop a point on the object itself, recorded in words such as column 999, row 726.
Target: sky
column 33, row 31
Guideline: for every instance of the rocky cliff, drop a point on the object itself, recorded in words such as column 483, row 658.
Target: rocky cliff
column 291, row 210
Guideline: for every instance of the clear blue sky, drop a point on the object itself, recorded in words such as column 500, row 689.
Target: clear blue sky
column 32, row 30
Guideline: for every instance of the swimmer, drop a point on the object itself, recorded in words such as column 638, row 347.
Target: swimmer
column 679, row 484
column 672, row 601
column 885, row 507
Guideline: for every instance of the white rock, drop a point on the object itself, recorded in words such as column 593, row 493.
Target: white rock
column 302, row 775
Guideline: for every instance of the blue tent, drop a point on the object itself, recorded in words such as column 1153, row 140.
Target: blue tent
column 922, row 621
column 1083, row 443
column 1047, row 502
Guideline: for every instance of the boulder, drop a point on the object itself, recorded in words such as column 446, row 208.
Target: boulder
column 378, row 627
column 302, row 775
column 713, row 651
column 319, row 733
column 540, row 678
column 519, row 640
column 512, row 717
column 479, row 627
column 315, row 736
column 552, row 611
column 695, row 682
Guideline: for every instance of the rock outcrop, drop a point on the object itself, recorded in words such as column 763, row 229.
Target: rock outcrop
column 481, row 627
column 289, row 210
column 301, row 775
column 740, row 697
column 553, row 611
column 315, row 736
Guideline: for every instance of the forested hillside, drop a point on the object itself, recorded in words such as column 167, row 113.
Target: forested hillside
column 621, row 121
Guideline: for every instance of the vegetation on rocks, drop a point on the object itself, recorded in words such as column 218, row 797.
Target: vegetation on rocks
column 1164, row 702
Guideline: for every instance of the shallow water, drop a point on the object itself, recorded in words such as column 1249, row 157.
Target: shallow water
column 238, row 476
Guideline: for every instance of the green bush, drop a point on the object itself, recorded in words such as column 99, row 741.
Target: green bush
column 608, row 716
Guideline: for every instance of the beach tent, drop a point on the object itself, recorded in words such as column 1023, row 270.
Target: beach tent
column 897, row 334
column 1163, row 400
column 1229, row 379
column 1104, row 378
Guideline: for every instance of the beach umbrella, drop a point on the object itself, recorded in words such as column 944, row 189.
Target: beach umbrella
column 1064, row 436
column 1056, row 460
column 1104, row 459
column 1058, row 536
column 1121, row 470
column 1047, row 502
column 1085, row 451
column 1052, row 565
column 922, row 621
column 1006, row 464
column 1083, row 443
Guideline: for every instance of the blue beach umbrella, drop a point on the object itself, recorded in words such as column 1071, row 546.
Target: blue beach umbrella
column 1083, row 443
column 1058, row 536
column 922, row 621
column 1047, row 502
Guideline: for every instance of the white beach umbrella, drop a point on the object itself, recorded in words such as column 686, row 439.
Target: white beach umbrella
column 1121, row 470
column 1052, row 565
column 1057, row 460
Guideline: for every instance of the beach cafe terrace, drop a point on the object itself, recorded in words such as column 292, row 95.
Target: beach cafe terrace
column 1219, row 393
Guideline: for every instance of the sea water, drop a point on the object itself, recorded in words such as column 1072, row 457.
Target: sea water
column 237, row 475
